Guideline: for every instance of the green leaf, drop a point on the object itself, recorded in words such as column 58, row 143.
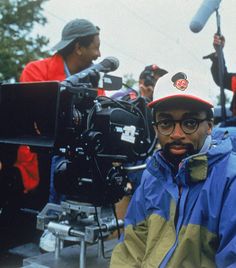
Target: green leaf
column 18, row 47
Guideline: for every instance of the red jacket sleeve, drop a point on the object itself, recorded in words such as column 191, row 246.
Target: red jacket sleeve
column 27, row 163
column 49, row 69
column 233, row 83
column 34, row 71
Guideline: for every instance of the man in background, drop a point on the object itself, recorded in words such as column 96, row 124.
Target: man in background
column 146, row 83
column 78, row 48
column 148, row 79
column 229, row 79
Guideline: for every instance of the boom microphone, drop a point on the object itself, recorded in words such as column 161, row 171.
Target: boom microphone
column 109, row 64
column 204, row 12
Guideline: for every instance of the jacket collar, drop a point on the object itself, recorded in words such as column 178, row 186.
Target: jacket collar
column 193, row 168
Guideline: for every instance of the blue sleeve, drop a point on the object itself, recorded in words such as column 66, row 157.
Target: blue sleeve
column 135, row 176
column 226, row 253
column 136, row 211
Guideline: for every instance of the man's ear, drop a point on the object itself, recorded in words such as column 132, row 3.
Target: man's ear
column 77, row 49
column 210, row 126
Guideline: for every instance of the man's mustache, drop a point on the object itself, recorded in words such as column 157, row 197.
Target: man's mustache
column 189, row 147
column 174, row 159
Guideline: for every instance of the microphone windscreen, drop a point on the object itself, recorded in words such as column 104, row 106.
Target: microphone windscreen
column 204, row 12
column 110, row 62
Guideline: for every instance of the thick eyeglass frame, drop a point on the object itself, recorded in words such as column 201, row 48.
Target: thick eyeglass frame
column 181, row 123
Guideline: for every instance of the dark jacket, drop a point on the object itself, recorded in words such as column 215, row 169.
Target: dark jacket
column 229, row 79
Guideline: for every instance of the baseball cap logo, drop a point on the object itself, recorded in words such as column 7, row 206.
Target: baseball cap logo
column 180, row 81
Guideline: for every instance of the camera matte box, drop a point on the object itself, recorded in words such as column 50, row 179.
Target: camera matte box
column 28, row 113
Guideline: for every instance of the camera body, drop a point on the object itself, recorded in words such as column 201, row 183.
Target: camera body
column 96, row 136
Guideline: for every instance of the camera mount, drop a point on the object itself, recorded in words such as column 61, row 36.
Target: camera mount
column 78, row 223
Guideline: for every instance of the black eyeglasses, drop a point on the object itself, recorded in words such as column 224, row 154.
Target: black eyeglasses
column 188, row 125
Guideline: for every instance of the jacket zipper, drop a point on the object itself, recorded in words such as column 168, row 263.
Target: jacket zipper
column 178, row 220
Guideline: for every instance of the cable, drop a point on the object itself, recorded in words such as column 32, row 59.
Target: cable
column 116, row 219
column 100, row 233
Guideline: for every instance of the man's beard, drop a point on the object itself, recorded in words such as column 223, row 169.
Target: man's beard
column 176, row 159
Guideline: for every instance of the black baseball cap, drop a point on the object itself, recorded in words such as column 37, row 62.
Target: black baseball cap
column 151, row 70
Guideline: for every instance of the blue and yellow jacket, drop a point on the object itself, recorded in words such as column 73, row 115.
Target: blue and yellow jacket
column 187, row 220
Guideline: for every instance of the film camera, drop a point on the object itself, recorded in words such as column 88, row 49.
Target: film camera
column 91, row 133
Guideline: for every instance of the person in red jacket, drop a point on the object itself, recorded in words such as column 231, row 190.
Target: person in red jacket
column 78, row 48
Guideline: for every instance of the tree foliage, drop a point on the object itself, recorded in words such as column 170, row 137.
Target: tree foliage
column 18, row 46
column 129, row 81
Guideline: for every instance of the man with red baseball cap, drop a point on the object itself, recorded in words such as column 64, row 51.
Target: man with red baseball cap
column 181, row 214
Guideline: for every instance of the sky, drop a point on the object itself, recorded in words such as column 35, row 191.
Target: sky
column 144, row 32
